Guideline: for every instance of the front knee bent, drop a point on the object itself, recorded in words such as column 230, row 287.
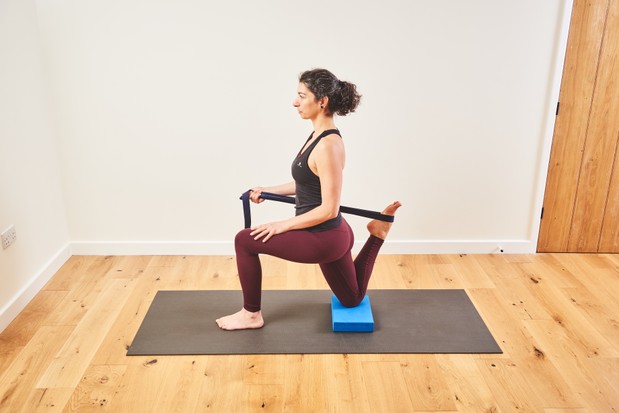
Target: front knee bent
column 242, row 239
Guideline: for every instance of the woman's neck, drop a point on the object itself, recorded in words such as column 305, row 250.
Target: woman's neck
column 323, row 123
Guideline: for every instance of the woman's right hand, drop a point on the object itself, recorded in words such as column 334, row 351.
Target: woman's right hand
column 254, row 195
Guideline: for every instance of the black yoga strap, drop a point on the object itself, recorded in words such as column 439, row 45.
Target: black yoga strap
column 290, row 200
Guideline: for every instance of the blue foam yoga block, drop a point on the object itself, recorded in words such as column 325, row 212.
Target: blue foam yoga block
column 357, row 319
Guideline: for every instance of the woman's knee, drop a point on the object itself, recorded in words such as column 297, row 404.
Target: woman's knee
column 242, row 239
column 350, row 301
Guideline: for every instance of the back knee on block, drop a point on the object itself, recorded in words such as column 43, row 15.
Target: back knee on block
column 356, row 319
column 350, row 302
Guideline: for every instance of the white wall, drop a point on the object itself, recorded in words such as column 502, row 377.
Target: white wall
column 30, row 187
column 161, row 113
column 167, row 111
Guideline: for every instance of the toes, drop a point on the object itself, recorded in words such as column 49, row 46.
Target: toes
column 390, row 210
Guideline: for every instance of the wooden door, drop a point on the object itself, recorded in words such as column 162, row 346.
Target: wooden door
column 581, row 203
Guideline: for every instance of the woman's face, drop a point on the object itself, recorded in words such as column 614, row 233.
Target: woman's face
column 306, row 103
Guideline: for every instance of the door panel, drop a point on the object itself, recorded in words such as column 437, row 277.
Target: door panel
column 609, row 241
column 578, row 202
column 600, row 146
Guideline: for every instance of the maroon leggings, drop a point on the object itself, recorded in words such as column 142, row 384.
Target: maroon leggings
column 330, row 249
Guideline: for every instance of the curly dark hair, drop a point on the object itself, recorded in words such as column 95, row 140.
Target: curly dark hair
column 343, row 96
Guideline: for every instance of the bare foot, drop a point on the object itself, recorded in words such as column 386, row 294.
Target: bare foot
column 380, row 229
column 241, row 320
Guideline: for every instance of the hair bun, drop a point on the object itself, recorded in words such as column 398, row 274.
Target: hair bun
column 343, row 95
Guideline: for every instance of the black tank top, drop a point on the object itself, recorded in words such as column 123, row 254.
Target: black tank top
column 307, row 183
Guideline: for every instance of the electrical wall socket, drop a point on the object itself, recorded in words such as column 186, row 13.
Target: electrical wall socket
column 8, row 237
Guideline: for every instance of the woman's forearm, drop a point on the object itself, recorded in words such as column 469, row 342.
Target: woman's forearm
column 316, row 216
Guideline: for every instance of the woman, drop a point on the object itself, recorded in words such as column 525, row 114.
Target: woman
column 317, row 233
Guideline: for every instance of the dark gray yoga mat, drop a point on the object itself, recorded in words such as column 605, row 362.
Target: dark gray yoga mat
column 299, row 322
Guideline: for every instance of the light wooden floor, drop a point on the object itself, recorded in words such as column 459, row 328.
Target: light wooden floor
column 556, row 318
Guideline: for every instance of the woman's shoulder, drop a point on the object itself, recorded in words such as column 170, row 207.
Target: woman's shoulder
column 331, row 139
column 330, row 144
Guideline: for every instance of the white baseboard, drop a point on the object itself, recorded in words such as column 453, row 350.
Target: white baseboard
column 153, row 248
column 227, row 247
column 38, row 281
column 459, row 247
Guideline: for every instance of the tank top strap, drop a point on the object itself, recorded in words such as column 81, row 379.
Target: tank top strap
column 317, row 140
column 310, row 148
column 329, row 132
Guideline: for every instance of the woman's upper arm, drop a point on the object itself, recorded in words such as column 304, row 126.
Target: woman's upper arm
column 329, row 160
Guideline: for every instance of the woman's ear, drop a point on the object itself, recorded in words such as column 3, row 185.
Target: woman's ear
column 324, row 102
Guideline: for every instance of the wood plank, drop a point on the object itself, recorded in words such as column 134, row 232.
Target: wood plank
column 412, row 271
column 181, row 381
column 265, row 398
column 66, row 276
column 264, row 369
column 613, row 259
column 223, row 389
column 582, row 376
column 509, row 385
column 386, row 377
column 470, row 391
column 344, row 380
column 97, row 389
column 447, row 277
column 528, row 296
column 550, row 267
column 577, row 88
column 81, row 295
column 128, row 267
column 471, row 271
column 601, row 313
column 426, row 384
column 300, row 276
column 264, row 376
column 27, row 323
column 195, row 272
column 544, row 380
column 602, row 282
column 561, row 307
column 140, row 385
column 503, row 324
column 601, row 144
column 609, row 239
column 18, row 380
column 386, row 276
column 609, row 369
column 304, row 388
column 67, row 368
column 113, row 349
column 47, row 400
column 524, row 304
column 221, row 274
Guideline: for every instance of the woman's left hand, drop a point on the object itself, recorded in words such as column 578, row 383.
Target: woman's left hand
column 266, row 231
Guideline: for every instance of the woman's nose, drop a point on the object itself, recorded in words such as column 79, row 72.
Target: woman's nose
column 295, row 102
